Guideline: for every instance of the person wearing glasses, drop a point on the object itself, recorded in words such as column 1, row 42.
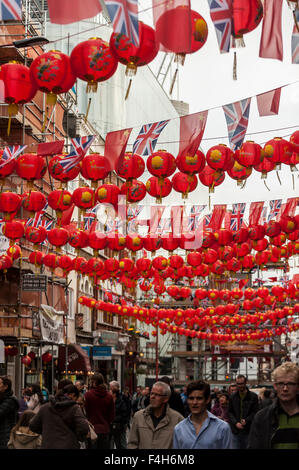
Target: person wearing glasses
column 201, row 429
column 152, row 427
column 242, row 407
column 277, row 425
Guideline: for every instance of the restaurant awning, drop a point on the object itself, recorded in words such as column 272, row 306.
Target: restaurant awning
column 77, row 358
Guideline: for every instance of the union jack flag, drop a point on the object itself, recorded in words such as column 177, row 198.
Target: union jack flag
column 147, row 138
column 133, row 212
column 195, row 215
column 10, row 10
column 274, row 206
column 80, row 145
column 124, row 18
column 164, row 226
column 47, row 224
column 37, row 219
column 237, row 115
column 11, row 153
column 221, row 15
column 90, row 217
column 113, row 224
column 295, row 41
column 237, row 216
column 207, row 220
column 264, row 215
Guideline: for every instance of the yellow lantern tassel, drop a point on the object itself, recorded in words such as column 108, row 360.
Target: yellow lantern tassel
column 12, row 111
column 235, row 67
column 128, row 89
column 87, row 110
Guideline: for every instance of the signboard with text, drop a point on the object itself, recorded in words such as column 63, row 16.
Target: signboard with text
column 34, row 282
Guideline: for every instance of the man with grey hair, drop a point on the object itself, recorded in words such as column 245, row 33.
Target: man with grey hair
column 118, row 428
column 152, row 427
column 277, row 425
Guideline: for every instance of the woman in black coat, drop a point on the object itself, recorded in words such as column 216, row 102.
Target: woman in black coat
column 9, row 406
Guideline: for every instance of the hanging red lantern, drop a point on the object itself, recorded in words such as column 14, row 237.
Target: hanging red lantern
column 168, row 21
column 173, row 291
column 242, row 249
column 116, row 241
column 175, row 261
column 201, row 293
column 134, row 56
column 18, row 88
column 46, row 357
column 131, row 167
column 57, row 171
column 51, row 73
column 9, row 204
column 30, row 167
column 256, row 232
column 250, row 154
column 288, row 224
column 169, row 242
column 51, row 261
column 234, row 265
column 108, row 193
column 236, row 294
column 14, row 252
column 248, row 262
column 97, row 241
column 191, row 164
column 225, row 253
column 265, row 167
column 194, row 258
column 262, row 292
column 210, row 256
column 8, row 168
column 36, row 258
column 134, row 193
column 92, row 61
column 260, row 245
column 218, row 267
column 65, row 263
column 126, row 264
column 239, row 172
column 157, row 188
column 152, row 242
column 241, row 235
column 143, row 264
column 111, row 265
column 85, row 197
column 160, row 263
column 78, row 239
column 79, row 264
column 279, row 240
column 224, row 294
column 185, row 292
column 247, row 15
column 223, row 236
column 273, row 228
column 220, row 157
column 134, row 242
column 95, row 267
column 95, row 167
column 161, row 164
column 34, row 201
column 60, row 200
column 211, row 178
column 58, row 237
column 183, row 183
column 13, row 230
column 278, row 151
column 26, row 360
column 207, row 239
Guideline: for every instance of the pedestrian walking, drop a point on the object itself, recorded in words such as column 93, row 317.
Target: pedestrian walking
column 175, row 402
column 118, row 429
column 21, row 437
column 201, row 429
column 9, row 406
column 144, row 398
column 61, row 421
column 152, row 427
column 243, row 405
column 277, row 425
column 100, row 410
column 35, row 397
column 220, row 409
column 265, row 399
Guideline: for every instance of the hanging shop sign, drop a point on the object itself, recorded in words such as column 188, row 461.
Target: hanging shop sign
column 109, row 338
column 102, row 353
column 51, row 323
column 34, row 282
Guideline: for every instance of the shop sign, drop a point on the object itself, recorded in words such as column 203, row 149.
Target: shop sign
column 51, row 323
column 35, row 323
column 109, row 338
column 34, row 282
column 4, row 243
column 102, row 353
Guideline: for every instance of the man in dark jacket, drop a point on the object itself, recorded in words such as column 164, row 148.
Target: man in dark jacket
column 277, row 425
column 175, row 402
column 9, row 406
column 243, row 405
column 99, row 407
column 60, row 421
column 121, row 419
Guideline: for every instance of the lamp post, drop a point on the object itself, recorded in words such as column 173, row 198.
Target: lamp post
column 28, row 42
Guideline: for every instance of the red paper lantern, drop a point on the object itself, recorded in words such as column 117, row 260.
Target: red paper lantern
column 191, row 164
column 112, row 265
column 126, row 264
column 265, row 167
column 184, row 183
column 108, row 193
column 80, row 264
column 97, row 241
column 51, row 261
column 65, row 263
column 13, row 230
column 34, row 201
column 58, row 237
column 78, row 239
column 250, row 154
column 175, row 261
column 247, row 14
column 194, row 258
column 95, row 267
column 51, row 72
column 278, row 151
column 273, row 228
column 225, row 253
column 223, row 236
column 92, row 61
column 47, row 357
column 157, row 188
column 218, row 267
column 241, row 235
column 256, row 232
column 36, row 258
column 288, row 224
column 134, row 242
column 85, row 197
column 95, row 167
column 234, row 265
column 30, row 167
column 134, row 193
column 248, row 262
column 210, row 256
column 161, row 164
column 262, row 292
column 9, row 204
column 211, row 178
column 58, row 172
column 220, row 157
column 144, row 264
column 60, row 200
column 239, row 172
column 26, row 360
column 18, row 88
column 260, row 245
column 134, row 56
column 152, row 242
column 116, row 241
column 14, row 252
column 131, row 167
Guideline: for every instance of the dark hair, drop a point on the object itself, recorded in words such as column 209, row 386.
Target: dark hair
column 267, row 393
column 165, row 379
column 71, row 389
column 241, row 377
column 6, row 381
column 36, row 390
column 24, row 420
column 62, row 383
column 224, row 394
column 98, row 379
column 199, row 385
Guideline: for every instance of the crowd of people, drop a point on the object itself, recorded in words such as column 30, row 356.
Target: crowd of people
column 101, row 416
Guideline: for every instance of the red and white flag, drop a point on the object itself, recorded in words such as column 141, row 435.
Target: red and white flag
column 255, row 212
column 192, row 128
column 218, row 215
column 271, row 45
column 71, row 11
column 115, row 146
column 172, row 23
column 50, row 148
column 268, row 103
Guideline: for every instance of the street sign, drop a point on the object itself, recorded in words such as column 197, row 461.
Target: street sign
column 103, row 353
column 34, row 282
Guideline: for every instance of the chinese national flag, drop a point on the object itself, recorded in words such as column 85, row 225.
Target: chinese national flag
column 192, row 128
column 50, row 148
column 255, row 212
column 115, row 146
column 289, row 208
column 172, row 22
column 71, row 11
column 217, row 216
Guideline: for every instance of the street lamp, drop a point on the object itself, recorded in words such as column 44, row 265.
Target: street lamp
column 28, row 42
